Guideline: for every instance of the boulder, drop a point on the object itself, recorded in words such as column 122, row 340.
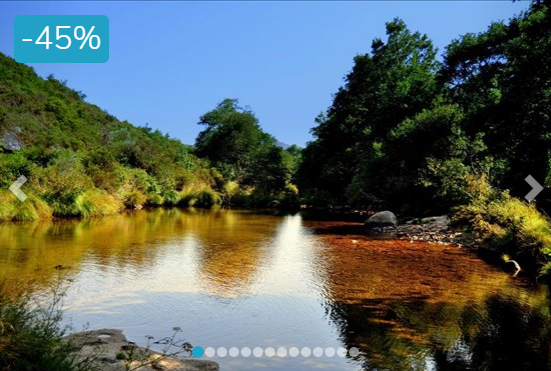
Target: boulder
column 381, row 220
column 105, row 346
column 9, row 142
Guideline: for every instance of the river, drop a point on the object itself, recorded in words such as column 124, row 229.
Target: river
column 232, row 278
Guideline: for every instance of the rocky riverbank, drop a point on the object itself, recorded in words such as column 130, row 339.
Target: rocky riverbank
column 111, row 351
column 434, row 229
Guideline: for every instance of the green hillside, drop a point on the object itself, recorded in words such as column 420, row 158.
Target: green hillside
column 82, row 161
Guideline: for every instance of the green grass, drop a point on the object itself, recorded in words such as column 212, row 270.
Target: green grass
column 31, row 339
column 11, row 209
column 507, row 225
column 32, row 209
column 154, row 199
column 98, row 203
column 204, row 197
column 171, row 198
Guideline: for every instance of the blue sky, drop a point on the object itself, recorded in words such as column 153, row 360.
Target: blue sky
column 170, row 62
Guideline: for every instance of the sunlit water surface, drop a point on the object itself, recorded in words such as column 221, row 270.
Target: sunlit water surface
column 245, row 279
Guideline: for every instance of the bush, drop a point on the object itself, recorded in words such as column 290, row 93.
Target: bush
column 31, row 339
column 134, row 199
column 32, row 209
column 506, row 224
column 205, row 197
column 154, row 199
column 171, row 198
column 97, row 203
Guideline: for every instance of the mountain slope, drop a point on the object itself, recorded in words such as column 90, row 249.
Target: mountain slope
column 79, row 159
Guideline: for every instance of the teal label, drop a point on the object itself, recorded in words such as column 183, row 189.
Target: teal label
column 61, row 39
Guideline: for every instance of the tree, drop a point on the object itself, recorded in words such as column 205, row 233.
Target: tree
column 396, row 81
column 502, row 79
column 235, row 143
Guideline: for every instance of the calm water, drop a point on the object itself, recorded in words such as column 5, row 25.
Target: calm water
column 236, row 279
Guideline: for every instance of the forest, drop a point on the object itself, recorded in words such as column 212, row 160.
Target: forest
column 411, row 130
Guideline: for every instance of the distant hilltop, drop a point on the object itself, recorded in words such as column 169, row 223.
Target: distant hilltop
column 282, row 145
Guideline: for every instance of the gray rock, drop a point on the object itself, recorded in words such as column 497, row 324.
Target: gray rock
column 9, row 142
column 382, row 219
column 104, row 345
column 439, row 220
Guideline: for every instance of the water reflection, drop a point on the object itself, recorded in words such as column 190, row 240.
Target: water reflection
column 433, row 307
column 236, row 278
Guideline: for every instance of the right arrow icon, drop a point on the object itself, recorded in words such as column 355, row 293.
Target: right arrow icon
column 536, row 188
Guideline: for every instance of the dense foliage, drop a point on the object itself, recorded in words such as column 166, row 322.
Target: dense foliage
column 81, row 161
column 412, row 134
column 244, row 154
column 32, row 338
column 410, row 128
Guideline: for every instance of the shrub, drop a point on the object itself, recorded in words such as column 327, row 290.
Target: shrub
column 171, row 198
column 230, row 190
column 205, row 197
column 134, row 199
column 504, row 223
column 7, row 208
column 32, row 209
column 154, row 199
column 31, row 339
column 97, row 203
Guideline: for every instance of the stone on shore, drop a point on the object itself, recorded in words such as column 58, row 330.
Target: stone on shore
column 381, row 220
column 106, row 344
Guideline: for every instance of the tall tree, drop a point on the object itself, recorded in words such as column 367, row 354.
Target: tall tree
column 396, row 80
column 235, row 143
column 502, row 79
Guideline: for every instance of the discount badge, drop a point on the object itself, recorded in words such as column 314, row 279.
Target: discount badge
column 61, row 39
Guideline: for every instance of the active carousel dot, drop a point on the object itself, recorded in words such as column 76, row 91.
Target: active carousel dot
column 198, row 352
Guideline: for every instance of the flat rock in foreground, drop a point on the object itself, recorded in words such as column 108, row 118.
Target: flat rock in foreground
column 105, row 344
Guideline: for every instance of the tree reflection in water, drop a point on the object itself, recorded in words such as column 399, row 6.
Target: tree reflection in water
column 502, row 333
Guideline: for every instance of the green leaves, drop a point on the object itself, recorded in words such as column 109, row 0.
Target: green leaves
column 405, row 129
column 395, row 81
column 235, row 144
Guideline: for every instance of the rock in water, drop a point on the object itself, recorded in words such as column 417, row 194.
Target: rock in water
column 382, row 219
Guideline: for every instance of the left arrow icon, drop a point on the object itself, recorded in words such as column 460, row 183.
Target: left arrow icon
column 14, row 188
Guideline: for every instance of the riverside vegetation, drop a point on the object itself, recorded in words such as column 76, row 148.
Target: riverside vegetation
column 81, row 161
column 422, row 136
column 406, row 132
